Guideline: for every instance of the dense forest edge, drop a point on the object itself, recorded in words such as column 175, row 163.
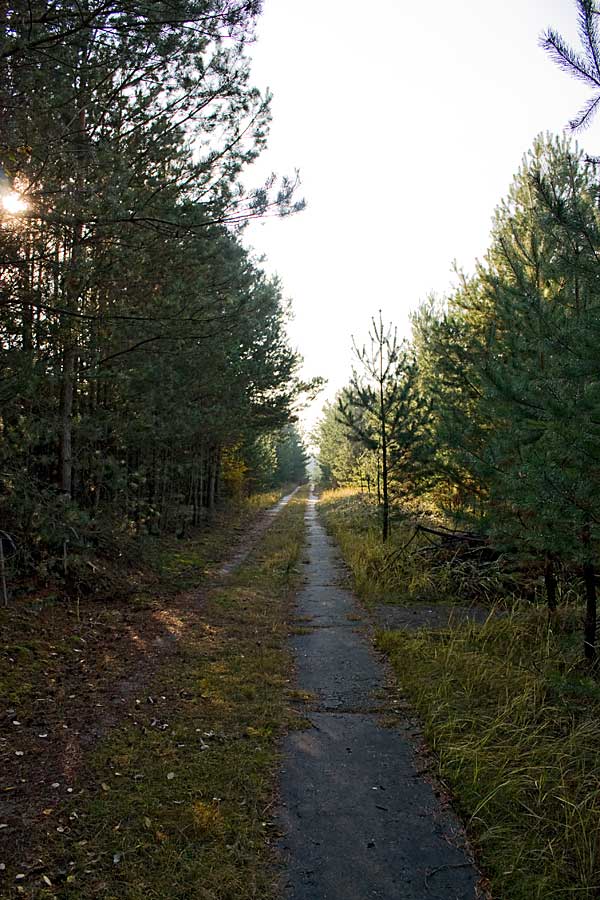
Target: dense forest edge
column 146, row 371
column 483, row 430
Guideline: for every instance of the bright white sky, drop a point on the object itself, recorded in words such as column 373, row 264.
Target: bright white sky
column 407, row 121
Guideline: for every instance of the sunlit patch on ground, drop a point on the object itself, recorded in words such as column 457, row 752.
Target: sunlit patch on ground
column 156, row 769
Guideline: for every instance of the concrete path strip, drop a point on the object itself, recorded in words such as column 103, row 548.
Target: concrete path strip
column 252, row 539
column 359, row 821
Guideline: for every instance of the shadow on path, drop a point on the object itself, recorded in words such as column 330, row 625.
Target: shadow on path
column 359, row 820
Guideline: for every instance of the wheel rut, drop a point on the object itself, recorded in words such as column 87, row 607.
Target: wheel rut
column 360, row 820
column 257, row 531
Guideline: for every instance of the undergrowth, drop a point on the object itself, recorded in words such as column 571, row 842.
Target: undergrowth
column 384, row 573
column 105, row 563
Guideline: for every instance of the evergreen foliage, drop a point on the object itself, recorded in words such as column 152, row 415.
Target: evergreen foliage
column 292, row 457
column 140, row 343
column 515, row 373
column 342, row 461
column 385, row 413
column 495, row 407
column 584, row 65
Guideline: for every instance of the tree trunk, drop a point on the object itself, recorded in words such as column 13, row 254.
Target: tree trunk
column 67, row 392
column 384, row 467
column 218, row 475
column 589, row 578
column 550, row 582
column 73, row 291
column 589, row 627
column 212, row 480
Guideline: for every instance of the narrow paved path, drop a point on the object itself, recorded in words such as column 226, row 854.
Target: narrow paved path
column 359, row 821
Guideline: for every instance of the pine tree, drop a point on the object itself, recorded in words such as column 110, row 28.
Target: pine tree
column 517, row 372
column 343, row 462
column 583, row 65
column 385, row 413
column 141, row 344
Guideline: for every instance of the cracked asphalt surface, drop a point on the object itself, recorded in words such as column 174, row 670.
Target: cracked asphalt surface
column 359, row 820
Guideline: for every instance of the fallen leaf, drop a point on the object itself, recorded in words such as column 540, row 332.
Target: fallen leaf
column 171, row 776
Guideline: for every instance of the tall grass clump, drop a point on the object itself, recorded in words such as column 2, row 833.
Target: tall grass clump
column 515, row 725
column 392, row 572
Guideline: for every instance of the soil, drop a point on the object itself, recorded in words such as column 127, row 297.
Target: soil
column 436, row 617
column 79, row 673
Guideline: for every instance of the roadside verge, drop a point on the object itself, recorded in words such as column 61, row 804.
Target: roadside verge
column 168, row 794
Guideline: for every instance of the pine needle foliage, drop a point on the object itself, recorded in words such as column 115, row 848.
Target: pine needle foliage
column 512, row 369
column 384, row 412
column 584, row 65
column 141, row 345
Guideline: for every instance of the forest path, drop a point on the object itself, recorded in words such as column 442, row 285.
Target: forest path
column 254, row 535
column 359, row 819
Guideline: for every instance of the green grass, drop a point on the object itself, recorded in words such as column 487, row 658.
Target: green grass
column 380, row 573
column 176, row 801
column 34, row 628
column 188, row 822
column 509, row 709
column 183, row 562
column 408, row 568
column 515, row 724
